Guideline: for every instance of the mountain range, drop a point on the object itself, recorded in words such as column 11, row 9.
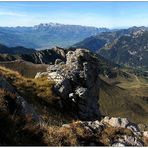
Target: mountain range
column 46, row 35
column 125, row 47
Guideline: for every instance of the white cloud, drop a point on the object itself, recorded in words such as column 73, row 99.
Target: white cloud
column 4, row 13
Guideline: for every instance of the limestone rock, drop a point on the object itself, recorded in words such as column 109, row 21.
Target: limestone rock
column 121, row 122
column 145, row 134
column 118, row 144
column 40, row 74
column 63, row 88
column 94, row 126
column 116, row 122
column 55, row 76
column 79, row 77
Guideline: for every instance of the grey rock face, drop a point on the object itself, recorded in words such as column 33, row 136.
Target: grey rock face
column 5, row 85
column 80, row 83
column 128, row 141
column 26, row 109
column 60, row 51
column 23, row 107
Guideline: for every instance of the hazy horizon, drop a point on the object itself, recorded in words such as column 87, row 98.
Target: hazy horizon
column 113, row 15
column 72, row 24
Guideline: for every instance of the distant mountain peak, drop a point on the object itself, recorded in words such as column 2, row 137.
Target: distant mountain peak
column 48, row 24
column 46, row 35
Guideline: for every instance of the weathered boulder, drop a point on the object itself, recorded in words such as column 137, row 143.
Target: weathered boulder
column 121, row 122
column 79, row 84
column 116, row 122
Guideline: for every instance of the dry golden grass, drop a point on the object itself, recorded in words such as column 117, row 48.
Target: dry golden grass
column 125, row 97
column 110, row 134
column 37, row 92
column 60, row 137
column 145, row 139
column 32, row 88
column 66, row 136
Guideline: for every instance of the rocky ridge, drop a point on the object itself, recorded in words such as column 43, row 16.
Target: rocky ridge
column 77, row 82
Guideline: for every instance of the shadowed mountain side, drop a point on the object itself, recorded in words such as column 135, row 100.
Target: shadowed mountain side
column 15, row 50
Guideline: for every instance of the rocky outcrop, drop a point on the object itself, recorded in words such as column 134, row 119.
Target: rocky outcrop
column 78, row 83
column 121, row 122
column 110, row 133
column 20, row 105
column 47, row 56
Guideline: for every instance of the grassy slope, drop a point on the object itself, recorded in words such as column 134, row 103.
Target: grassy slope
column 26, row 69
column 17, row 130
column 125, row 97
column 37, row 92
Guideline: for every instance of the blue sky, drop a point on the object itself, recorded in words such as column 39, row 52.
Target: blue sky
column 99, row 14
